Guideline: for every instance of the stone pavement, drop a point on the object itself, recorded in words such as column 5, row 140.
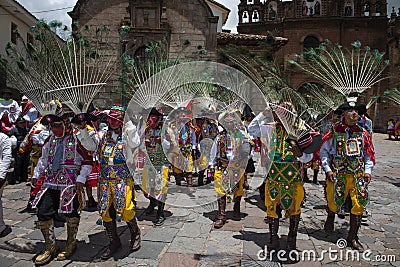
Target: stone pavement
column 188, row 239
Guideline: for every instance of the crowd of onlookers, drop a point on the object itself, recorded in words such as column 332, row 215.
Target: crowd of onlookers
column 17, row 120
column 393, row 129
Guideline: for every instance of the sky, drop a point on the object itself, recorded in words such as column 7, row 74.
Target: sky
column 37, row 8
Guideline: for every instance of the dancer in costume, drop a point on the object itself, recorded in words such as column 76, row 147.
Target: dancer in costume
column 205, row 139
column 284, row 186
column 183, row 136
column 348, row 158
column 116, row 188
column 229, row 156
column 155, row 170
column 65, row 164
column 83, row 120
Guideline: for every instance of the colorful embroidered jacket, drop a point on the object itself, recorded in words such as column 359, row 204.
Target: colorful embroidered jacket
column 113, row 148
column 347, row 150
column 64, row 162
column 285, row 168
column 230, row 148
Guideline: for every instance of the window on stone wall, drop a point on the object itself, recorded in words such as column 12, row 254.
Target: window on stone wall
column 317, row 9
column 349, row 8
column 14, row 34
column 309, row 42
column 250, row 2
column 366, row 9
column 272, row 10
column 378, row 8
column 245, row 17
column 255, row 17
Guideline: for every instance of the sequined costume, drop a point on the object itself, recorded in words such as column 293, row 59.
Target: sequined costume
column 283, row 186
column 229, row 156
column 349, row 153
column 116, row 190
column 348, row 158
column 116, row 186
column 65, row 164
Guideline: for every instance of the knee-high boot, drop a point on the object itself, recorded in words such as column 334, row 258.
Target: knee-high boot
column 330, row 220
column 72, row 230
column 200, row 178
column 273, row 231
column 293, row 227
column 352, row 238
column 150, row 209
column 178, row 178
column 47, row 229
column 221, row 218
column 135, row 234
column 236, row 207
column 160, row 214
column 115, row 243
column 189, row 184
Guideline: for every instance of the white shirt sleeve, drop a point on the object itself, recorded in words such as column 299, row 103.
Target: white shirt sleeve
column 132, row 135
column 83, row 174
column 88, row 140
column 326, row 151
column 214, row 152
column 5, row 146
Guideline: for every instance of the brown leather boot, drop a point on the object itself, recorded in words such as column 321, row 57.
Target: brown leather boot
column 150, row 209
column 50, row 249
column 190, row 183
column 160, row 214
column 115, row 243
column 352, row 238
column 178, row 179
column 136, row 238
column 221, row 218
column 72, row 230
column 236, row 208
column 294, row 225
column 329, row 223
column 273, row 231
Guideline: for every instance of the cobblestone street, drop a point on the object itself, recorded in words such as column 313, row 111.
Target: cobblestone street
column 187, row 238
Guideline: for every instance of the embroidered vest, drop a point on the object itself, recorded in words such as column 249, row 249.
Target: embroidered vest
column 349, row 153
column 68, row 171
column 112, row 160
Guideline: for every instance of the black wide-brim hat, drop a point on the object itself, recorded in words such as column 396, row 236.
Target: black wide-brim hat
column 310, row 142
column 151, row 111
column 361, row 108
column 81, row 117
column 50, row 118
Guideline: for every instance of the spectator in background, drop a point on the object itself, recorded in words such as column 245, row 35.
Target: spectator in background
column 9, row 110
column 21, row 164
column 5, row 161
column 29, row 112
column 390, row 128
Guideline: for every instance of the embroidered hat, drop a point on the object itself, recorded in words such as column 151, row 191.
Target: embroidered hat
column 310, row 142
column 81, row 117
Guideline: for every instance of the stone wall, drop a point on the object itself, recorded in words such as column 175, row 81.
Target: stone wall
column 182, row 20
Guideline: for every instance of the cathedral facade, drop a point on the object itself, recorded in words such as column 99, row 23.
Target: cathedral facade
column 307, row 23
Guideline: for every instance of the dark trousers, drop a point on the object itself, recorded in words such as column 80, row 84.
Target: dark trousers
column 49, row 204
column 21, row 165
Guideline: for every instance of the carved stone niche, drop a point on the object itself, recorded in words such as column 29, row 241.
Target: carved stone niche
column 146, row 13
column 149, row 23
